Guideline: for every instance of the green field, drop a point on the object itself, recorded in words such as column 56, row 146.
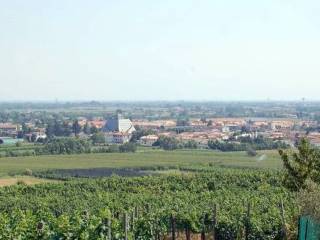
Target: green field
column 142, row 158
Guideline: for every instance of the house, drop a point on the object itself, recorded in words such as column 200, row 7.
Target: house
column 9, row 129
column 37, row 134
column 148, row 140
column 117, row 137
column 118, row 130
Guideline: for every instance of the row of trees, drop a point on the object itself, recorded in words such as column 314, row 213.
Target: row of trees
column 171, row 143
column 78, row 146
column 65, row 129
column 245, row 144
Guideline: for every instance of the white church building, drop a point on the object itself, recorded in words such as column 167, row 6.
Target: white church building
column 118, row 130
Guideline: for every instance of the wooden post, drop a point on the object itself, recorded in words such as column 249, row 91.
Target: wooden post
column 214, row 222
column 109, row 228
column 188, row 236
column 203, row 233
column 136, row 212
column 247, row 221
column 173, row 227
column 126, row 226
column 283, row 220
column 132, row 221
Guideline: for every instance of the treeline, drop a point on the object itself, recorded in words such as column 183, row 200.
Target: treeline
column 78, row 146
column 65, row 145
column 171, row 143
column 247, row 144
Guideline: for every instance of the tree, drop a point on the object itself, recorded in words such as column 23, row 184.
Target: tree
column 183, row 122
column 167, row 143
column 209, row 123
column 191, row 144
column 251, row 152
column 50, row 130
column 25, row 128
column 301, row 166
column 136, row 135
column 128, row 147
column 86, row 128
column 203, row 119
column 76, row 127
column 65, row 146
column 308, row 200
column 94, row 130
column 98, row 138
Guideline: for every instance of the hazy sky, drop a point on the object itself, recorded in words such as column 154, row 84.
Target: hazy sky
column 159, row 49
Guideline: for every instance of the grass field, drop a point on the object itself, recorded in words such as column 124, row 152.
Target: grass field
column 22, row 179
column 142, row 158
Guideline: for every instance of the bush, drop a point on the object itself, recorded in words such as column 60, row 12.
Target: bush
column 128, row 147
column 251, row 152
column 167, row 143
column 28, row 172
column 98, row 138
column 308, row 200
column 21, row 182
column 191, row 144
column 65, row 146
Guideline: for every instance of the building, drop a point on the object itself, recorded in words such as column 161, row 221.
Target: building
column 36, row 135
column 119, row 124
column 9, row 129
column 118, row 130
column 117, row 137
column 148, row 140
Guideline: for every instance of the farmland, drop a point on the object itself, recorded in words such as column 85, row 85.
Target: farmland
column 96, row 208
column 156, row 186
column 142, row 158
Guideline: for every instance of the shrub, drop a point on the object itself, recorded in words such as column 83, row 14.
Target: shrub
column 28, row 172
column 128, row 147
column 308, row 200
column 251, row 152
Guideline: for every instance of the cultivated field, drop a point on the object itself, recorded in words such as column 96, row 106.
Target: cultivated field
column 142, row 158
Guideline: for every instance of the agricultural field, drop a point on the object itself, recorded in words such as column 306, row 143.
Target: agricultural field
column 231, row 203
column 143, row 158
column 200, row 192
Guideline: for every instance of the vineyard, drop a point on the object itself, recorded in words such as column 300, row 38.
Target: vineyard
column 227, row 203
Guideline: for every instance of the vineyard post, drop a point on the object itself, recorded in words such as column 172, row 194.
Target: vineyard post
column 214, row 222
column 283, row 220
column 247, row 221
column 203, row 234
column 109, row 228
column 132, row 220
column 136, row 212
column 126, row 226
column 173, row 227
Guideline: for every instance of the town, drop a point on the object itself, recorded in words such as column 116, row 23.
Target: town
column 122, row 126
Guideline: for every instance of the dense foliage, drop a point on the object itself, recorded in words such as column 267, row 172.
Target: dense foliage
column 246, row 143
column 65, row 146
column 301, row 165
column 81, row 209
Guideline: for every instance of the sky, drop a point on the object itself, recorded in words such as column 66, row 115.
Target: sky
column 133, row 50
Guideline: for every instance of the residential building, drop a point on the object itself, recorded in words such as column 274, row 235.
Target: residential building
column 148, row 140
